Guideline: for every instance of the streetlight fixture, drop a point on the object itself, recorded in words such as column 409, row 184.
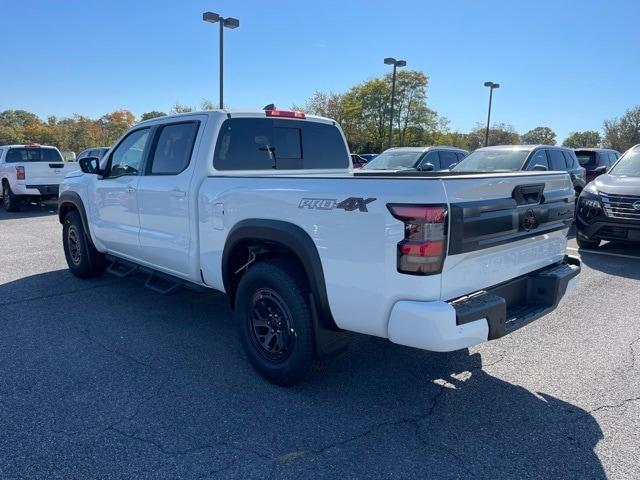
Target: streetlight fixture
column 396, row 64
column 228, row 22
column 491, row 86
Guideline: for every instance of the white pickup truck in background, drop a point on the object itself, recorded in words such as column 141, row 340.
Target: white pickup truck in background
column 31, row 172
column 266, row 207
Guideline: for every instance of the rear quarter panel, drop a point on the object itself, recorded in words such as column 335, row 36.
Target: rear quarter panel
column 357, row 248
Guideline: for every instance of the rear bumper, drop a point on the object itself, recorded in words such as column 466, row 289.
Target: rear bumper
column 485, row 315
column 41, row 190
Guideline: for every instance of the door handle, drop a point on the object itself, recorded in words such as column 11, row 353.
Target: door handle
column 178, row 193
column 131, row 190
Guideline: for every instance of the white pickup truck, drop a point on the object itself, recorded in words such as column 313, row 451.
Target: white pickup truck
column 31, row 172
column 265, row 206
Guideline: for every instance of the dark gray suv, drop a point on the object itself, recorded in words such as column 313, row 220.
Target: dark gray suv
column 609, row 207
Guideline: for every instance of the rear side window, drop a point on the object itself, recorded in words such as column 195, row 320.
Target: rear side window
column 173, row 148
column 268, row 144
column 612, row 158
column 460, row 155
column 26, row 154
column 556, row 160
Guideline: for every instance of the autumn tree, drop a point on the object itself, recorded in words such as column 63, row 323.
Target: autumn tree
column 586, row 139
column 115, row 124
column 624, row 132
column 539, row 136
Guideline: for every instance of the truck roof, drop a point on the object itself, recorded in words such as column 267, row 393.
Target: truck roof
column 236, row 114
column 32, row 145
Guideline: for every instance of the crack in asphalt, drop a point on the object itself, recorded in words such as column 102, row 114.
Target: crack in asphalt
column 613, row 407
column 633, row 352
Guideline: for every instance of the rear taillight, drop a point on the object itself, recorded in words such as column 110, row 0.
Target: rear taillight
column 20, row 173
column 424, row 246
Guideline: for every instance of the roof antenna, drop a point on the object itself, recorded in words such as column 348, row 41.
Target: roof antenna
column 271, row 106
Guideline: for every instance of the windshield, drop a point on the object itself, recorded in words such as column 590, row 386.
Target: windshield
column 628, row 165
column 493, row 161
column 395, row 160
column 586, row 158
column 33, row 154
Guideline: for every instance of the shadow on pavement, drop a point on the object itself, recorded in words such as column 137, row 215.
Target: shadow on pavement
column 29, row 210
column 120, row 382
column 605, row 259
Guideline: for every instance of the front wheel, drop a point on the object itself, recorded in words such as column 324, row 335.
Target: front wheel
column 83, row 259
column 10, row 200
column 274, row 322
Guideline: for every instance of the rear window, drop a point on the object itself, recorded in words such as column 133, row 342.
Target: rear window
column 34, row 154
column 586, row 158
column 268, row 144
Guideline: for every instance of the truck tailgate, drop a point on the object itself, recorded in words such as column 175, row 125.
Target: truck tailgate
column 47, row 173
column 504, row 227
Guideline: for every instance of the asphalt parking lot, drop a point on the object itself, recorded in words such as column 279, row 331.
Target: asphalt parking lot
column 105, row 379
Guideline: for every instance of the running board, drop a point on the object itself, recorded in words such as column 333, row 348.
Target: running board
column 121, row 270
column 158, row 282
column 162, row 285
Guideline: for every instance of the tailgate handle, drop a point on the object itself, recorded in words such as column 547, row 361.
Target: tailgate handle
column 528, row 194
column 56, row 165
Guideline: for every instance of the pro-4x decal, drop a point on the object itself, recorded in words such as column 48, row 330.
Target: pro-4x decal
column 348, row 204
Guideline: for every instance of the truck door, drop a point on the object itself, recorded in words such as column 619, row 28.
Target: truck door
column 165, row 197
column 117, row 223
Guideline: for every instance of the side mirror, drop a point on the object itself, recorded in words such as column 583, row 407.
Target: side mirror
column 453, row 165
column 426, row 167
column 601, row 169
column 90, row 165
column 540, row 168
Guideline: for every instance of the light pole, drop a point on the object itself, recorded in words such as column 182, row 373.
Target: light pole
column 396, row 64
column 491, row 86
column 228, row 22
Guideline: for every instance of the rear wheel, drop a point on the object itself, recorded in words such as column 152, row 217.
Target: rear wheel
column 585, row 243
column 83, row 259
column 10, row 200
column 274, row 322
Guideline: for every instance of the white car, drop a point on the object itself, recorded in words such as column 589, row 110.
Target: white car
column 265, row 206
column 31, row 172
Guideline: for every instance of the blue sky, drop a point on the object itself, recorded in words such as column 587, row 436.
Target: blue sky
column 565, row 64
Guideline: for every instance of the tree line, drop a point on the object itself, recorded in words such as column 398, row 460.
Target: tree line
column 363, row 111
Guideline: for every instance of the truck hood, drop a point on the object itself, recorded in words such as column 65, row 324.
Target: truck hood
column 617, row 185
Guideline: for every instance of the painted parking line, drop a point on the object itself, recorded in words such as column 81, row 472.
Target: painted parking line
column 598, row 252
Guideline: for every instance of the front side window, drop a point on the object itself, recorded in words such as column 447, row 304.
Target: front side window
column 539, row 158
column 267, row 144
column 629, row 165
column 173, row 148
column 447, row 157
column 126, row 159
column 556, row 160
column 612, row 158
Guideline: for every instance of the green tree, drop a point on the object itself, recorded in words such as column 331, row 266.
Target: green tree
column 499, row 134
column 586, row 139
column 11, row 136
column 18, row 119
column 151, row 114
column 624, row 132
column 410, row 112
column 539, row 136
